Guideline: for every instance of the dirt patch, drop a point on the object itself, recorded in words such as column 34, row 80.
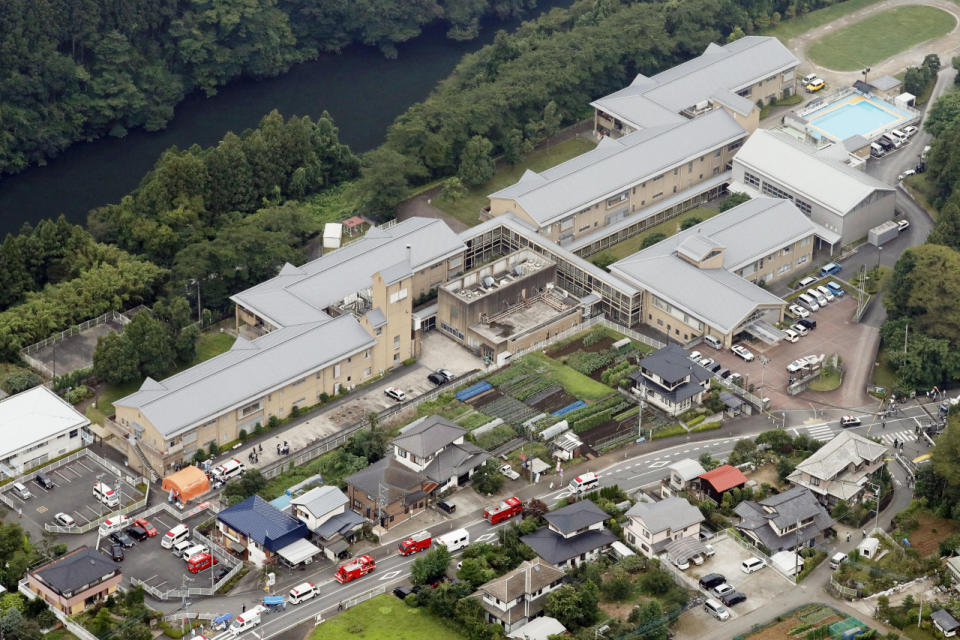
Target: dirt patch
column 555, row 401
column 606, row 430
column 931, row 530
column 781, row 630
column 766, row 473
column 620, row 610
column 603, row 344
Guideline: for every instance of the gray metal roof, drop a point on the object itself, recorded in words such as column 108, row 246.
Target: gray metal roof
column 77, row 568
column 688, row 468
column 340, row 524
column 321, row 500
column 673, row 363
column 247, row 371
column 556, row 549
column 299, row 294
column 813, row 174
column 513, row 584
column 884, row 83
column 429, row 436
column 455, row 460
column 616, row 165
column 673, row 513
column 576, row 516
column 718, row 73
column 399, row 480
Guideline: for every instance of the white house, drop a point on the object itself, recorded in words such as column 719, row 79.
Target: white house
column 38, row 425
column 682, row 474
column 654, row 525
column 324, row 511
column 435, row 447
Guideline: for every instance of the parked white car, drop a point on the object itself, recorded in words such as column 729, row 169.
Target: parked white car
column 742, row 351
column 910, row 130
column 799, row 311
column 396, row 393
column 695, row 355
column 799, row 328
column 796, row 365
column 790, row 335
column 906, row 174
column 508, row 471
column 706, row 362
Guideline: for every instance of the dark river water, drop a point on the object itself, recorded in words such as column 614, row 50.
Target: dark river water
column 363, row 91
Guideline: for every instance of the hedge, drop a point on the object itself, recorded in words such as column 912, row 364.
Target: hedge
column 626, row 414
column 692, row 422
column 675, row 430
column 585, row 424
column 707, row 426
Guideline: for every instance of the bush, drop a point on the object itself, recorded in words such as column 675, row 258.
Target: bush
column 652, row 239
column 692, row 422
column 273, row 422
column 258, row 429
column 214, row 449
column 19, row 381
column 78, row 394
column 242, row 435
column 707, row 426
column 294, row 411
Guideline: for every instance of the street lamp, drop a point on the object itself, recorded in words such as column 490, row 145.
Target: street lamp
column 865, row 72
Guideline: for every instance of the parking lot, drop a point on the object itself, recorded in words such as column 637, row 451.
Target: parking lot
column 836, row 333
column 72, row 494
column 158, row 567
column 761, row 588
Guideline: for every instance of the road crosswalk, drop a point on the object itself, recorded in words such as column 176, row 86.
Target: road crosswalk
column 901, row 436
column 822, row 432
column 825, row 432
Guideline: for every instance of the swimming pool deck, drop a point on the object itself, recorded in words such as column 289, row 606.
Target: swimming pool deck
column 852, row 114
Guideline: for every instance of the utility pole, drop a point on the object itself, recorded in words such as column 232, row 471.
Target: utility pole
column 199, row 306
column 906, row 332
column 796, row 558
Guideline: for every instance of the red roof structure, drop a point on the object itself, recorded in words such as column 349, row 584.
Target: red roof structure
column 353, row 225
column 723, row 478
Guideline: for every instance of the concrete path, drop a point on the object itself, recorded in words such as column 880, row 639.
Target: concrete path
column 945, row 46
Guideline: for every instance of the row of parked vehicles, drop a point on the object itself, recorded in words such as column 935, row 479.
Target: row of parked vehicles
column 725, row 594
column 891, row 141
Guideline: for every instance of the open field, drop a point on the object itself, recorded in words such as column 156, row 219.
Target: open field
column 467, row 209
column 384, row 618
column 796, row 26
column 931, row 530
column 880, row 36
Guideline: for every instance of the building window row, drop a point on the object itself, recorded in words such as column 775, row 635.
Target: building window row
column 751, row 179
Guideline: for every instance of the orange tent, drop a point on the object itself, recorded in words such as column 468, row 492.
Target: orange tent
column 188, row 483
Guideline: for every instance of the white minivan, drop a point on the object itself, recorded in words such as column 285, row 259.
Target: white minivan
column 180, row 549
column 894, row 140
column 194, row 549
column 816, row 295
column 752, row 565
column 713, row 341
column 826, row 293
column 178, row 534
column 900, row 134
column 301, row 592
column 455, row 540
column 228, row 469
column 717, row 610
column 22, row 492
column 585, row 482
column 808, row 302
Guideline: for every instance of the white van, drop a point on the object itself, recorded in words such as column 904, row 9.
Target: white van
column 819, row 297
column 106, row 495
column 900, row 134
column 717, row 610
column 808, row 302
column 837, row 559
column 806, row 282
column 752, row 565
column 894, row 140
column 229, row 469
column 876, row 150
column 713, row 341
column 110, row 525
column 21, row 490
column 193, row 550
column 301, row 592
column 455, row 540
column 248, row 619
column 178, row 534
column 585, row 482
column 180, row 548
column 826, row 293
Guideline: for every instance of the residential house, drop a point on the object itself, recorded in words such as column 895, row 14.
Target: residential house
column 518, row 596
column 669, row 380
column 840, row 469
column 260, row 533
column 574, row 534
column 435, row 447
column 716, row 482
column 683, row 476
column 945, row 623
column 76, row 581
column 704, row 279
column 38, row 426
column 332, row 524
column 786, row 521
column 817, row 179
column 652, row 526
column 539, row 629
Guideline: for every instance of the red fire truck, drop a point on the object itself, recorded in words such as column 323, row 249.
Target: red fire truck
column 356, row 568
column 416, row 543
column 503, row 511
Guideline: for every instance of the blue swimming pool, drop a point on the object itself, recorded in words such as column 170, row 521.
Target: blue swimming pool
column 854, row 116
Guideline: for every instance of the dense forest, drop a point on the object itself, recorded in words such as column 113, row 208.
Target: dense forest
column 75, row 70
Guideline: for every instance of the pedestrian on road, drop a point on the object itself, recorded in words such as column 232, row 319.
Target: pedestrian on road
column 20, row 512
column 340, row 607
column 883, row 424
column 848, row 536
column 864, row 532
column 243, row 608
column 261, row 447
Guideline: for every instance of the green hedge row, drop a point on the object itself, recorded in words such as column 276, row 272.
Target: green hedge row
column 692, row 422
column 585, row 424
column 707, row 426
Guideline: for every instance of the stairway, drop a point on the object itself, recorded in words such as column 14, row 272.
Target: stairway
column 154, row 476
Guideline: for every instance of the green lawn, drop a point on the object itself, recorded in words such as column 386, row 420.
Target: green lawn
column 880, row 36
column 668, row 227
column 883, row 375
column 800, row 25
column 826, row 382
column 384, row 618
column 467, row 209
column 576, row 384
column 210, row 345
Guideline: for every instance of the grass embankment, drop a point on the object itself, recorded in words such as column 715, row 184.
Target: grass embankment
column 576, row 384
column 384, row 618
column 797, row 26
column 880, row 36
column 467, row 209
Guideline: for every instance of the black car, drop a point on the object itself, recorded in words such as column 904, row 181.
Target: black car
column 402, row 592
column 437, row 379
column 809, row 323
column 449, row 507
column 44, row 481
column 120, row 537
column 137, row 533
column 715, row 367
column 732, row 598
column 116, row 552
column 711, row 580
column 220, row 574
